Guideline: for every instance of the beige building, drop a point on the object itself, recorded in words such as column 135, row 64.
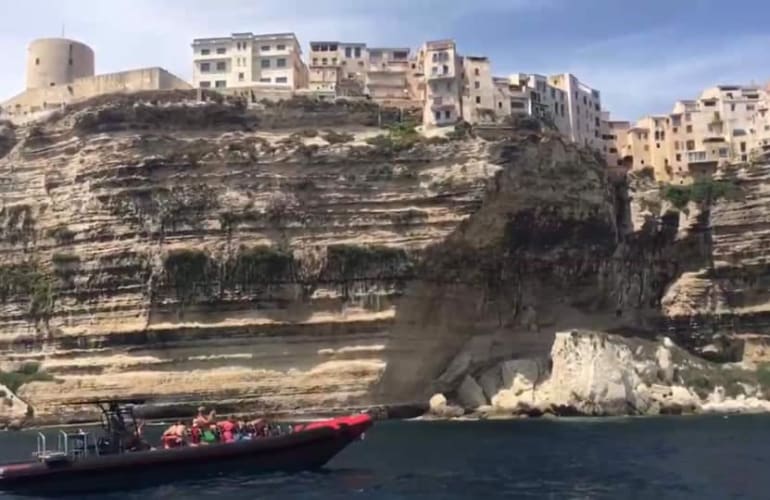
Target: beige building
column 479, row 103
column 441, row 66
column 387, row 72
column 61, row 71
column 726, row 124
column 350, row 61
column 245, row 63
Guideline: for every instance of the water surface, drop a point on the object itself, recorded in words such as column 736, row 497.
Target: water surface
column 674, row 457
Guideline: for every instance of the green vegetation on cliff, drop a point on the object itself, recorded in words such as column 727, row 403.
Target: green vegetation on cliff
column 261, row 265
column 29, row 282
column 701, row 191
column 186, row 270
column 29, row 372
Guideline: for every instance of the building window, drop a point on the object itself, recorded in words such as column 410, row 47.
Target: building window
column 264, row 63
column 240, row 77
column 324, row 61
column 205, row 67
column 723, row 152
column 689, row 129
column 358, row 52
column 447, row 114
column 743, row 147
column 446, row 69
column 744, row 158
column 562, row 109
column 221, row 50
column 220, row 84
column 205, row 52
column 280, row 63
column 678, row 157
column 281, row 79
column 477, row 85
column 221, row 66
column 438, row 115
column 555, row 108
column 280, row 47
column 499, row 105
column 348, row 52
column 315, row 61
column 478, row 99
column 434, row 70
column 749, row 107
column 264, row 80
column 676, row 145
column 476, row 71
column 70, row 63
column 334, row 60
column 553, row 93
column 205, row 85
column 690, row 145
column 265, row 48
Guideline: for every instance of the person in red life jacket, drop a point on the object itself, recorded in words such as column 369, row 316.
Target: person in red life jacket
column 174, row 436
column 195, row 435
column 227, row 430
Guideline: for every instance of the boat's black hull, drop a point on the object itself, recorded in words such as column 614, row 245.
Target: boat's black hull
column 306, row 450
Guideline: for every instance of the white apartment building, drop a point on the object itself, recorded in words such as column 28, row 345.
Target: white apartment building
column 441, row 66
column 583, row 109
column 245, row 61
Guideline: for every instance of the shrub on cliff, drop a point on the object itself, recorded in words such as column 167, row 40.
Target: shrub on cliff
column 261, row 265
column 353, row 262
column 701, row 191
column 333, row 137
column 29, row 372
column 28, row 282
column 62, row 234
column 187, row 271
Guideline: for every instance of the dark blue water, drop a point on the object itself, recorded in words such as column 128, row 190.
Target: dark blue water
column 677, row 457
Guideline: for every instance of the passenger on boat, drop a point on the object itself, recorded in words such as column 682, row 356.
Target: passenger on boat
column 203, row 420
column 195, row 435
column 209, row 434
column 175, row 435
column 135, row 441
column 227, row 430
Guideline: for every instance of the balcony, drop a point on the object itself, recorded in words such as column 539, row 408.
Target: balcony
column 443, row 102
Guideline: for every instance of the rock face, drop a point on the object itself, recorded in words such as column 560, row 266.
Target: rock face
column 206, row 252
column 297, row 257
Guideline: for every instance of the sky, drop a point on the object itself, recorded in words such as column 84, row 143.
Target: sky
column 642, row 55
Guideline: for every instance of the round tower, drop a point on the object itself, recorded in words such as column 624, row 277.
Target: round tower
column 57, row 61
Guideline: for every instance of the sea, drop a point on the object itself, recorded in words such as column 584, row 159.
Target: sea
column 697, row 457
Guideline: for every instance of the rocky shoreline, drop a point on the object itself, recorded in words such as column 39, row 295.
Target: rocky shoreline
column 598, row 374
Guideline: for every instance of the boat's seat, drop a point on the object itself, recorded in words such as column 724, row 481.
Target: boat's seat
column 53, row 457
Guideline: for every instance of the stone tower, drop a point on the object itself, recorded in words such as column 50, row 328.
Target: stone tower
column 57, row 61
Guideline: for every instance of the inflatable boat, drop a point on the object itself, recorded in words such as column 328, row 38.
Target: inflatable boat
column 81, row 465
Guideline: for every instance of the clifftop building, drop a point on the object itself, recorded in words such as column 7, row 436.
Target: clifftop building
column 61, row 71
column 245, row 62
column 726, row 124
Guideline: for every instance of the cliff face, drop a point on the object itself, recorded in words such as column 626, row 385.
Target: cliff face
column 203, row 252
column 298, row 257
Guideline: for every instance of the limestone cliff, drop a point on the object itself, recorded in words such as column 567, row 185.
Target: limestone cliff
column 151, row 245
column 299, row 257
